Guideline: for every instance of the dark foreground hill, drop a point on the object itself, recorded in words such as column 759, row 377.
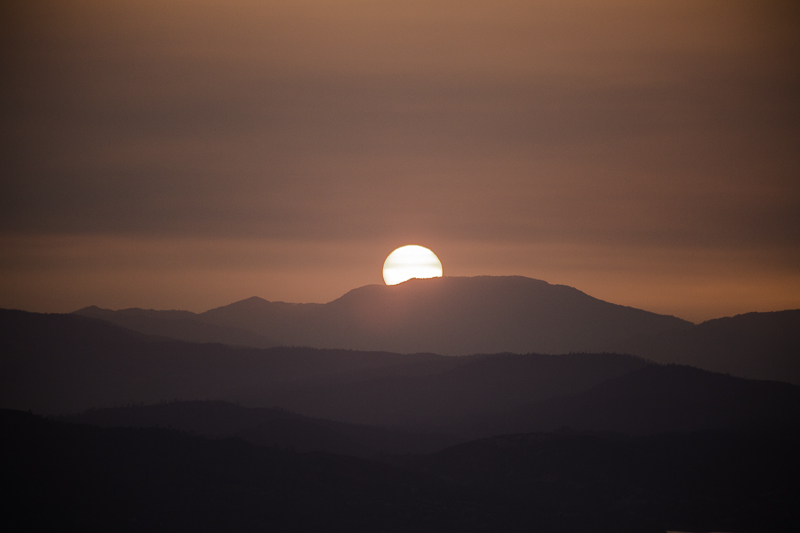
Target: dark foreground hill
column 449, row 316
column 67, row 476
column 700, row 481
column 68, row 363
column 64, row 476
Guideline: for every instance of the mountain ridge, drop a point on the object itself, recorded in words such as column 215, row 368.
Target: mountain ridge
column 265, row 426
column 179, row 325
column 487, row 314
column 764, row 345
column 145, row 479
column 59, row 364
column 448, row 316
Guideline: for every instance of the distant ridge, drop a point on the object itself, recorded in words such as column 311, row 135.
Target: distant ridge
column 180, row 325
column 449, row 316
column 487, row 314
column 658, row 398
column 752, row 345
column 61, row 364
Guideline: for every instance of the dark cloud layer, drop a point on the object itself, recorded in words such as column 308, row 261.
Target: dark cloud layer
column 471, row 125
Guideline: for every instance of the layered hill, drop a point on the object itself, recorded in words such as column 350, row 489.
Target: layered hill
column 66, row 364
column 179, row 325
column 72, row 476
column 651, row 400
column 58, row 475
column 462, row 316
column 753, row 345
column 448, row 316
column 62, row 363
column 699, row 481
column 266, row 426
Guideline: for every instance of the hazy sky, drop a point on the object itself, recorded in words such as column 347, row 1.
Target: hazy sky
column 188, row 154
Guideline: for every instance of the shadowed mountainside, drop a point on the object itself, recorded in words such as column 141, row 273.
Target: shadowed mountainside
column 461, row 316
column 753, row 345
column 449, row 316
column 179, row 325
column 54, row 363
column 72, row 476
column 701, row 481
column 125, row 479
column 479, row 385
column 650, row 400
column 273, row 427
column 69, row 363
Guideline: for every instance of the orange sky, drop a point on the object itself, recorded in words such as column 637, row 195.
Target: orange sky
column 189, row 154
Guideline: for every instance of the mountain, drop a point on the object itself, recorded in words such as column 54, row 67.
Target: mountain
column 70, row 476
column 54, row 363
column 522, row 393
column 654, row 399
column 738, row 477
column 449, row 316
column 67, row 363
column 478, row 386
column 267, row 426
column 58, row 475
column 700, row 481
column 462, row 316
column 180, row 325
column 752, row 345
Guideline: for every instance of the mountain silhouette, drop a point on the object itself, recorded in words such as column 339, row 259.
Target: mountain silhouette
column 448, row 316
column 66, row 363
column 463, row 316
column 267, row 426
column 58, row 475
column 481, row 398
column 605, row 465
column 752, row 345
column 59, row 364
column 587, row 440
column 654, row 399
column 699, row 481
column 179, row 325
column 479, row 385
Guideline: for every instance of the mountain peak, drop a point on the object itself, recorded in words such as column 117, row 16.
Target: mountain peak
column 90, row 309
column 449, row 315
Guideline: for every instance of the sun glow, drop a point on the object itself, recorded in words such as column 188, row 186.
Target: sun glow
column 411, row 261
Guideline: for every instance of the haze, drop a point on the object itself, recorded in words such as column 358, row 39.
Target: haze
column 190, row 154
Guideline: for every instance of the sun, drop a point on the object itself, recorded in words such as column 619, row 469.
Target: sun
column 411, row 261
